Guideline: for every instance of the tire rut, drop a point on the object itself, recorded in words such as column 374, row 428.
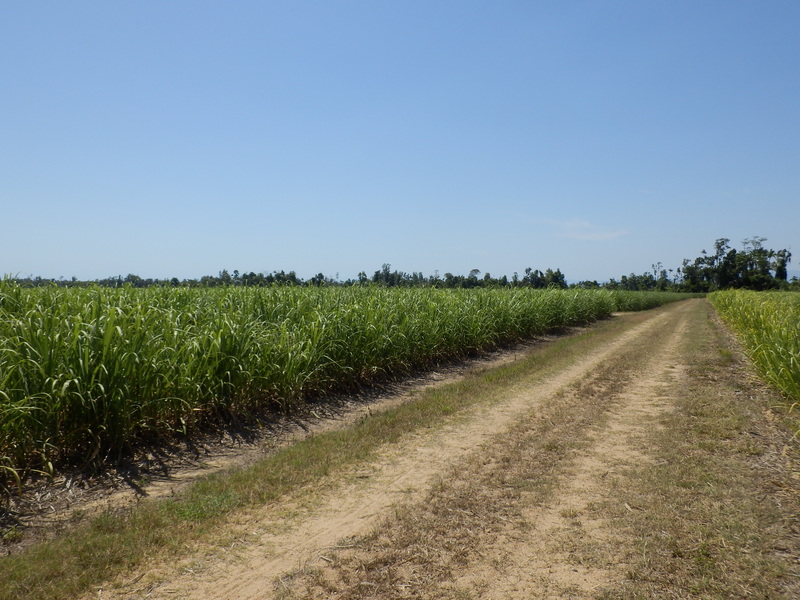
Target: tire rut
column 569, row 550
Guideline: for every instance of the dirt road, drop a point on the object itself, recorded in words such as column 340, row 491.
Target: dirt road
column 537, row 494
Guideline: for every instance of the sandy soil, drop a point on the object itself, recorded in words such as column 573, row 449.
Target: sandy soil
column 567, row 549
column 530, row 554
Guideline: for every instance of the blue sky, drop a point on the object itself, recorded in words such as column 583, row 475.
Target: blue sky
column 599, row 137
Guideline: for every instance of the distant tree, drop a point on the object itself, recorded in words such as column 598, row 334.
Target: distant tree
column 754, row 267
column 555, row 279
column 589, row 285
column 225, row 277
column 316, row 280
column 782, row 258
column 134, row 280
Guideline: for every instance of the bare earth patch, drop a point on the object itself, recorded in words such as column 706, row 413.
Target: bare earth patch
column 569, row 548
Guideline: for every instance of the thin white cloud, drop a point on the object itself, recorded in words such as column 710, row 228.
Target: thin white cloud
column 583, row 230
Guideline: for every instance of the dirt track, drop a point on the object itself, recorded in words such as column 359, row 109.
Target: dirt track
column 507, row 501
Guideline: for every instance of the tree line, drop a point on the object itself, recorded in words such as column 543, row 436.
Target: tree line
column 752, row 267
column 385, row 276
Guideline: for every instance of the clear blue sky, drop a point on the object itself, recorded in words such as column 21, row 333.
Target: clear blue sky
column 181, row 138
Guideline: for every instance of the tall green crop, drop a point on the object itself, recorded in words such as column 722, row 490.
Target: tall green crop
column 769, row 325
column 85, row 373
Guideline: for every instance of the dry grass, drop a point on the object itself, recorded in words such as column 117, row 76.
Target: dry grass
column 719, row 505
